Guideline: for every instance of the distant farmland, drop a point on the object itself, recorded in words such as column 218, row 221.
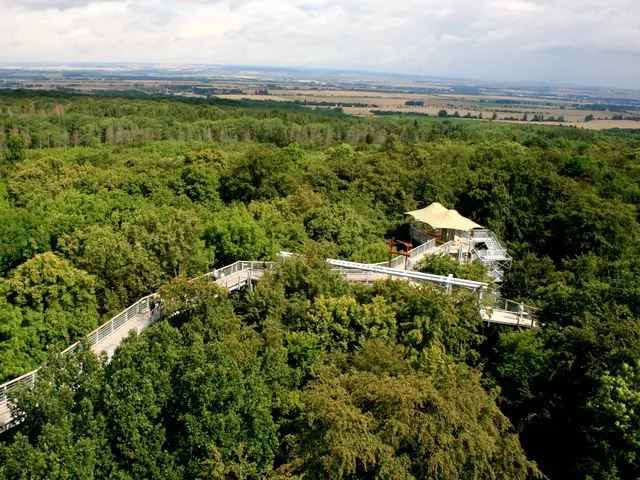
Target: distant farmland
column 473, row 105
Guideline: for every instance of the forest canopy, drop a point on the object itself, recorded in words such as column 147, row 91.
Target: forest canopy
column 104, row 200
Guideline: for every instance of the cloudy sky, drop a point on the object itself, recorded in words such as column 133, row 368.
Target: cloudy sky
column 592, row 42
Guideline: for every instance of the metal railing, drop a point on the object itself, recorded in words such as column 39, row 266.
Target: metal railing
column 493, row 244
column 422, row 249
column 513, row 306
column 360, row 276
column 525, row 313
column 419, row 252
column 498, row 254
column 494, row 255
column 445, row 249
column 418, row 235
column 440, row 280
column 103, row 332
column 478, row 236
column 227, row 276
column 398, row 262
column 100, row 334
column 401, row 261
column 483, row 233
column 239, row 267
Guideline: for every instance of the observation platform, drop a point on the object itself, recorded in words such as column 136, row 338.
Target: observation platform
column 460, row 237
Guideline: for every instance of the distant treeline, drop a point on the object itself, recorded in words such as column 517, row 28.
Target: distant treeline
column 333, row 104
column 622, row 117
column 603, row 107
column 503, row 101
column 50, row 119
column 137, row 95
column 445, row 114
column 157, row 78
column 406, row 114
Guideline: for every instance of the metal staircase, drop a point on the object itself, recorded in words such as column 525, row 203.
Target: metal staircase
column 486, row 248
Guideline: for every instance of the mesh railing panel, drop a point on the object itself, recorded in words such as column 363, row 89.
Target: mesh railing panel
column 511, row 306
column 99, row 335
column 418, row 235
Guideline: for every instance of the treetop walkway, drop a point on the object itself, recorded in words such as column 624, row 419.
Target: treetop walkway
column 148, row 310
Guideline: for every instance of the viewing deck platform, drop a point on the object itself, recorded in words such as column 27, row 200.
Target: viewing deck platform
column 461, row 237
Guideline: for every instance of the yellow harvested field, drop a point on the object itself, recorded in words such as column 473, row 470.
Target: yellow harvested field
column 603, row 124
column 472, row 97
column 351, row 94
column 431, row 110
column 594, row 125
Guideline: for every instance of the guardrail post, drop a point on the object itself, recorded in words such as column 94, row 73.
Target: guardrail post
column 447, row 287
column 520, row 312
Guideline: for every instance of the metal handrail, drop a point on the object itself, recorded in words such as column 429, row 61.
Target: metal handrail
column 481, row 233
column 498, row 253
column 418, row 234
column 420, row 250
column 101, row 333
column 426, row 277
column 512, row 306
column 480, row 236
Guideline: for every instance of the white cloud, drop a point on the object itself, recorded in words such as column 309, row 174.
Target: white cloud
column 48, row 4
column 578, row 41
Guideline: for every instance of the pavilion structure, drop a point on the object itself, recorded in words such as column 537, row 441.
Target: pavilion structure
column 461, row 237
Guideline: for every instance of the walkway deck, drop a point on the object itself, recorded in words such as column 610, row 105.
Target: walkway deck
column 108, row 345
column 240, row 279
column 504, row 317
column 104, row 339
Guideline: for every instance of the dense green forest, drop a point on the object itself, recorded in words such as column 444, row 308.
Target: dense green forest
column 104, row 200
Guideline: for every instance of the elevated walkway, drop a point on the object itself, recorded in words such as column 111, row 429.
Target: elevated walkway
column 148, row 310
column 104, row 339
